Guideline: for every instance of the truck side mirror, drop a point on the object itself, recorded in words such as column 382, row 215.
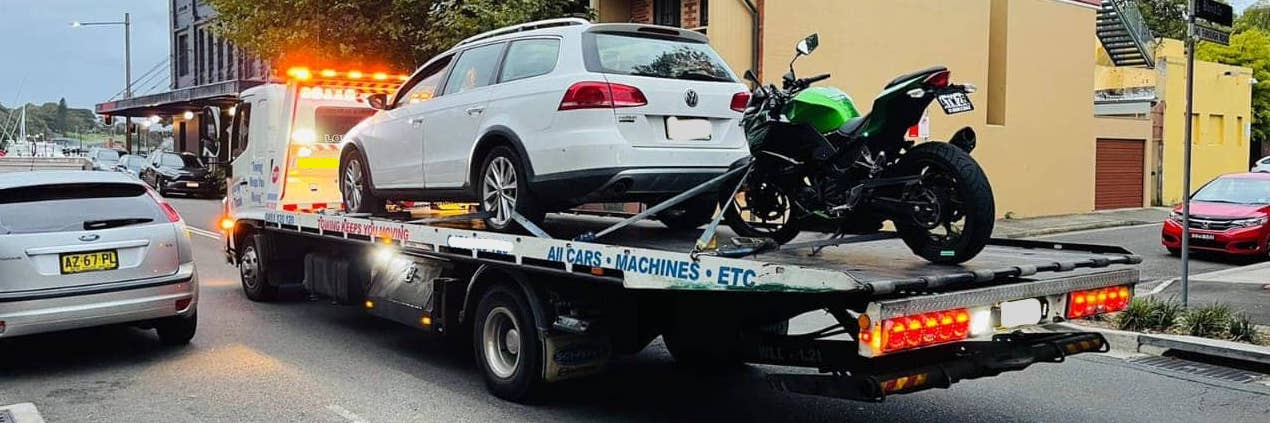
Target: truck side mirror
column 378, row 101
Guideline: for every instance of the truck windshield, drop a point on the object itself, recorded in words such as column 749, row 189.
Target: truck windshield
column 655, row 57
column 334, row 122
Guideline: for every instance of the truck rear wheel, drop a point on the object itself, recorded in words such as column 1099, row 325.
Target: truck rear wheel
column 254, row 272
column 508, row 350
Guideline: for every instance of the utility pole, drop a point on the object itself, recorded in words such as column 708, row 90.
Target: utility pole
column 1186, row 153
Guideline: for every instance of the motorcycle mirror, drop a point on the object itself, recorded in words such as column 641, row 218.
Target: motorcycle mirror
column 808, row 45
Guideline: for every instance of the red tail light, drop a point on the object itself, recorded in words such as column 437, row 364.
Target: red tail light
column 740, row 100
column 601, row 95
column 938, row 80
column 168, row 210
column 922, row 330
column 183, row 303
column 1081, row 304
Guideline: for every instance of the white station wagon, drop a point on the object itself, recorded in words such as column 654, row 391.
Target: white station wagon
column 544, row 116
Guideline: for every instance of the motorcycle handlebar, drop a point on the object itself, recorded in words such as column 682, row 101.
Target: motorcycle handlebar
column 815, row 79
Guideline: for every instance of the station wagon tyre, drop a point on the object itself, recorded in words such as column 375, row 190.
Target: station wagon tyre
column 1175, row 252
column 178, row 330
column 503, row 186
column 254, row 272
column 690, row 214
column 355, row 189
column 507, row 347
column 956, row 220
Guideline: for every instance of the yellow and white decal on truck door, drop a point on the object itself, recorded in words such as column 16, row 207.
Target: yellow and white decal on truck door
column 326, row 104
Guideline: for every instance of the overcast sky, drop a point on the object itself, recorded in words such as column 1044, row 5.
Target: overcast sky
column 46, row 59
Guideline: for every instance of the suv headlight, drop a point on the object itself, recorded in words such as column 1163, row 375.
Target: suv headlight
column 1247, row 223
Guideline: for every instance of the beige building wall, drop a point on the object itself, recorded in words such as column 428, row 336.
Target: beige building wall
column 1038, row 149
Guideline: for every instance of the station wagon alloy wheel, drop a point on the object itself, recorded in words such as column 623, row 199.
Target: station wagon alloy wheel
column 499, row 192
column 353, row 180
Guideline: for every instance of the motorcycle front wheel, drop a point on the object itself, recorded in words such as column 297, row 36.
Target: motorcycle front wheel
column 955, row 210
column 760, row 210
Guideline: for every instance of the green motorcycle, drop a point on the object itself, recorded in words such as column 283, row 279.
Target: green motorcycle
column 817, row 163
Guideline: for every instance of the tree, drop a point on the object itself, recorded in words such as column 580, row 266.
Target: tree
column 1249, row 48
column 1256, row 16
column 1166, row 18
column 60, row 119
column 398, row 34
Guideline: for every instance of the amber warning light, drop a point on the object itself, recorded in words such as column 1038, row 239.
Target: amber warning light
column 303, row 73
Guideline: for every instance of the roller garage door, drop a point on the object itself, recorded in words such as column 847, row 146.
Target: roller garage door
column 1118, row 174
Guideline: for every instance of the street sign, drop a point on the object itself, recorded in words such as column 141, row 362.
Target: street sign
column 1214, row 35
column 1215, row 12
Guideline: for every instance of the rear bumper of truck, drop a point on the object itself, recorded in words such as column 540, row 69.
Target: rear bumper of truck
column 875, row 379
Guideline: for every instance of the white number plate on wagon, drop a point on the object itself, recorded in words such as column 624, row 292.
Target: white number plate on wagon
column 688, row 129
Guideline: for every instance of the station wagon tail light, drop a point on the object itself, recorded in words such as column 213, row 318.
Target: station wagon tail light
column 1082, row 304
column 915, row 331
column 168, row 210
column 601, row 95
column 740, row 100
column 939, row 79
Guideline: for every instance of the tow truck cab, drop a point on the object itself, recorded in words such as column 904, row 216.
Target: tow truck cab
column 285, row 138
column 552, row 306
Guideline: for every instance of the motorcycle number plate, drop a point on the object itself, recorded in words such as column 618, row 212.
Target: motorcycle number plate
column 954, row 103
column 688, row 129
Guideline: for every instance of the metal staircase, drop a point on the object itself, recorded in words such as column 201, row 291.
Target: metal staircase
column 1125, row 35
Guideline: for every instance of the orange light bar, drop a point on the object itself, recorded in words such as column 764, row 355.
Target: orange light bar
column 1082, row 304
column 328, row 73
column 380, row 76
column 300, row 73
column 354, row 74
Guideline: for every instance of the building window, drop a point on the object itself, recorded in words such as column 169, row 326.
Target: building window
column 666, row 12
column 183, row 55
column 220, row 59
column 704, row 10
column 198, row 56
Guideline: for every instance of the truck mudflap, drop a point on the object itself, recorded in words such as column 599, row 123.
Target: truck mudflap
column 968, row 360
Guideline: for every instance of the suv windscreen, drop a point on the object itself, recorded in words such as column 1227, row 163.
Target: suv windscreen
column 655, row 57
column 179, row 161
column 334, row 122
column 75, row 207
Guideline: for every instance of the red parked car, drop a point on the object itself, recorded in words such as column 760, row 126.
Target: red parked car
column 1228, row 215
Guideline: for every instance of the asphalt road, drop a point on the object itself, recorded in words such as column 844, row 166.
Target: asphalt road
column 300, row 361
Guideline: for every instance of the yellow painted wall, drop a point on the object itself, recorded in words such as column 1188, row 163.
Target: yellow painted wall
column 1219, row 145
column 1040, row 161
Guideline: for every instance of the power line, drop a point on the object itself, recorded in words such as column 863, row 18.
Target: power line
column 143, row 78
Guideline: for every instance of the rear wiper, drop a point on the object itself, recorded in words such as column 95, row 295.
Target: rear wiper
column 114, row 223
column 700, row 75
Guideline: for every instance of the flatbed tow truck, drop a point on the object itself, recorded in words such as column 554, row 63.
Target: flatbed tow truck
column 560, row 302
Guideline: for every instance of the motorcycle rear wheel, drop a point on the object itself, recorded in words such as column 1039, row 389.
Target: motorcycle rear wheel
column 761, row 210
column 959, row 222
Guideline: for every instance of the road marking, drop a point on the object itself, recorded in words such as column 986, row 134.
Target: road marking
column 203, row 232
column 1160, row 288
column 343, row 412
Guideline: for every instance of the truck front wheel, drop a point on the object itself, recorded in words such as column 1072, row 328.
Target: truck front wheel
column 253, row 270
column 507, row 346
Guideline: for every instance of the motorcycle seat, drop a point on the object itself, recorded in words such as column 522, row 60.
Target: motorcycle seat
column 911, row 75
column 851, row 127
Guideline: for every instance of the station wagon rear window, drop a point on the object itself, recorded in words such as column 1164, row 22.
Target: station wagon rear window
column 68, row 207
column 654, row 57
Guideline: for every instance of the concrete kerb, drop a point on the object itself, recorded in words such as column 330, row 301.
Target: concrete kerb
column 1158, row 344
column 23, row 413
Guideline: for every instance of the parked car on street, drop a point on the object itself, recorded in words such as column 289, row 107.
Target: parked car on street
column 132, row 164
column 1262, row 165
column 1228, row 215
column 82, row 249
column 547, row 115
column 181, row 173
column 104, row 158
